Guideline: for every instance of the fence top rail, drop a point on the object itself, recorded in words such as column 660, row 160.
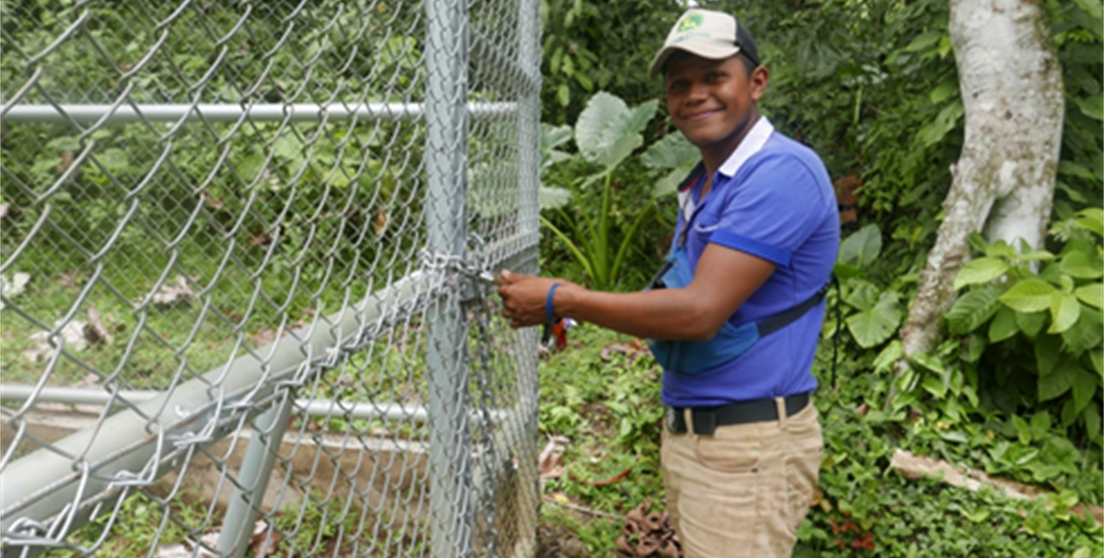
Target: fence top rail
column 278, row 112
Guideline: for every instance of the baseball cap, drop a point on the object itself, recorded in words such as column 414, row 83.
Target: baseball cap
column 709, row 34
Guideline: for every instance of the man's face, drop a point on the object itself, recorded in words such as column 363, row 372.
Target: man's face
column 713, row 102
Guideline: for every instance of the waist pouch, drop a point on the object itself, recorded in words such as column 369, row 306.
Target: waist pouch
column 695, row 357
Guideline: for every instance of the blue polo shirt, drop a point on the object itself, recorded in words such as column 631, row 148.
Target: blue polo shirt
column 772, row 199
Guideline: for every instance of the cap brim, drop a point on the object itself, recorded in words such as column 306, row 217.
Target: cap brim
column 705, row 49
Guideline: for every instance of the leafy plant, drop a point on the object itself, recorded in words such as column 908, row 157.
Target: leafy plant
column 606, row 134
column 1046, row 327
column 876, row 313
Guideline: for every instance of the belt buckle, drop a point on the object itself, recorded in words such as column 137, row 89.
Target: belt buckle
column 671, row 417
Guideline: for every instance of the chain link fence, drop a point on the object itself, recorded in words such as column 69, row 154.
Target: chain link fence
column 244, row 260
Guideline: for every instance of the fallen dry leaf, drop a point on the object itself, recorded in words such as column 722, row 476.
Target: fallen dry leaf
column 174, row 293
column 264, row 540
column 632, row 349
column 211, row 201
column 263, row 337
column 72, row 333
column 94, row 331
column 645, row 535
column 615, row 478
column 14, row 286
column 549, row 465
column 382, row 219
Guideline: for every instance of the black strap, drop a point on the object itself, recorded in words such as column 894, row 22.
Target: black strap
column 790, row 315
column 839, row 323
column 707, row 419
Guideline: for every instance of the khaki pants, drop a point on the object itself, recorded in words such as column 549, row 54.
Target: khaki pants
column 744, row 491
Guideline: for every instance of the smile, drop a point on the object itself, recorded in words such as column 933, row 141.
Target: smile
column 701, row 115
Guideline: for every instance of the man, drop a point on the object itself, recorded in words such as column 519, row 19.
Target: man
column 738, row 306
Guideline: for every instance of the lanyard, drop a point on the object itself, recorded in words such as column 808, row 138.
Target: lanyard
column 681, row 234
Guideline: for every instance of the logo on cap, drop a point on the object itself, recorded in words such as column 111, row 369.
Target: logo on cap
column 690, row 22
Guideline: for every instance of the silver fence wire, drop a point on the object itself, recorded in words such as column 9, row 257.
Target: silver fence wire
column 244, row 260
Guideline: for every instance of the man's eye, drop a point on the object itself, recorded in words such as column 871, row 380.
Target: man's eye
column 714, row 76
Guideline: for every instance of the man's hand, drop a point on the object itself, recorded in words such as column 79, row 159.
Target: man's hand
column 524, row 296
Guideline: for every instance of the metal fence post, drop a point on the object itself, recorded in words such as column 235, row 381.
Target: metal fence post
column 451, row 524
column 529, row 33
column 256, row 468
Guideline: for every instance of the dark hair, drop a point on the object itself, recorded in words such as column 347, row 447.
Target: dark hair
column 749, row 63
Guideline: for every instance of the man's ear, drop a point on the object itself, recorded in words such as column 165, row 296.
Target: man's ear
column 759, row 78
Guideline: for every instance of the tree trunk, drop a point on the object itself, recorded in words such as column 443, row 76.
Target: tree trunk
column 1003, row 182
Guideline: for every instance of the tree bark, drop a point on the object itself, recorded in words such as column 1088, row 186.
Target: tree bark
column 1003, row 182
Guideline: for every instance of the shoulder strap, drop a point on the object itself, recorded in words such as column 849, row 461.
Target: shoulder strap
column 786, row 317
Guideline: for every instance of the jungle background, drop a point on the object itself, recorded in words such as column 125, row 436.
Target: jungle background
column 1008, row 403
column 1012, row 391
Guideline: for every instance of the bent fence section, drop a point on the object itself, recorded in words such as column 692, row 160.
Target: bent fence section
column 244, row 250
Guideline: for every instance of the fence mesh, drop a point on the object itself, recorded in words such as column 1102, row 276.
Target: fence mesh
column 243, row 256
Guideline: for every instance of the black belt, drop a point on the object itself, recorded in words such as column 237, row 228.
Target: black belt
column 707, row 419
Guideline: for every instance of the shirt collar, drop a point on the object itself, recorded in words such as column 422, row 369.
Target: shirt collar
column 752, row 143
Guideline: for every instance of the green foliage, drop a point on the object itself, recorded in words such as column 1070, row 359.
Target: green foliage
column 873, row 313
column 868, row 509
column 136, row 524
column 1035, row 338
column 602, row 393
column 600, row 46
column 598, row 234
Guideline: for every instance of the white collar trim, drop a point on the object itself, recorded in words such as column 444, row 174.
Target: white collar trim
column 755, row 140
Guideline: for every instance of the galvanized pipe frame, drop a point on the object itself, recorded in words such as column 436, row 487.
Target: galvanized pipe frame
column 298, row 112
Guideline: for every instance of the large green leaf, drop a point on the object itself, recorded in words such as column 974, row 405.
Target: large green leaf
column 1085, row 384
column 1031, row 322
column 1093, row 8
column 1059, row 381
column 1048, row 352
column 1064, row 311
column 1092, row 422
column 1097, row 359
column 617, row 152
column 863, row 295
column 1031, row 295
column 874, row 325
column 1091, row 294
column 1003, row 325
column 929, row 362
column 554, row 136
column 1086, row 334
column 888, row 356
column 862, row 247
column 1078, row 264
column 671, row 152
column 1091, row 219
column 1092, row 106
column 670, row 182
column 607, row 125
column 595, row 129
column 973, row 309
column 981, row 270
column 554, row 198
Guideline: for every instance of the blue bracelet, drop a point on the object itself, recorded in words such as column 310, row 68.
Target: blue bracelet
column 548, row 303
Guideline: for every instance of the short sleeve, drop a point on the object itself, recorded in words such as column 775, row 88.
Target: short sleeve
column 775, row 206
